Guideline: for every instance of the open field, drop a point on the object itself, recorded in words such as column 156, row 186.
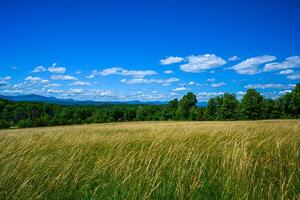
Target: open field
column 153, row 160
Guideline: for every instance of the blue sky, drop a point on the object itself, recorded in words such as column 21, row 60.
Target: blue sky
column 148, row 50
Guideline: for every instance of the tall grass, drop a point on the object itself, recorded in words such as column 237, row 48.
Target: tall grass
column 153, row 160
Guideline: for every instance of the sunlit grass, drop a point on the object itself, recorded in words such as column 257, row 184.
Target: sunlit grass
column 153, row 160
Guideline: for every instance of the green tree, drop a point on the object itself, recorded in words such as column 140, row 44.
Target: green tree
column 170, row 110
column 252, row 105
column 4, row 124
column 185, row 104
column 141, row 113
column 213, row 107
column 228, row 107
column 269, row 109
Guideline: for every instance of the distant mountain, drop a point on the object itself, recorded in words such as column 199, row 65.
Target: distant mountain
column 39, row 98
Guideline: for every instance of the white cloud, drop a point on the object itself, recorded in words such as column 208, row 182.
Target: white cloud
column 142, row 80
column 54, row 64
column 78, row 72
column 80, row 93
column 191, row 83
column 284, row 92
column 4, row 80
column 218, row 84
column 180, row 89
column 287, row 71
column 93, row 74
column 54, row 69
column 110, row 71
column 55, row 91
column 76, row 91
column 211, row 80
column 63, row 77
column 35, row 79
column 171, row 60
column 205, row 96
column 290, row 62
column 233, row 58
column 200, row 63
column 39, row 69
column 240, row 93
column 81, row 83
column 294, row 76
column 168, row 72
column 270, row 86
column 250, row 66
column 125, row 72
column 101, row 92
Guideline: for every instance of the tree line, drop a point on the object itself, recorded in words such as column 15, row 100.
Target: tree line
column 252, row 106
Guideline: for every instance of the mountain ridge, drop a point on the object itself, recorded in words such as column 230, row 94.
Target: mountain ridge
column 45, row 99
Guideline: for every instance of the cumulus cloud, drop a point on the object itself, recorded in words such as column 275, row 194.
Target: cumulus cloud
column 205, row 96
column 211, row 80
column 36, row 79
column 284, row 92
column 171, row 60
column 54, row 64
column 250, row 66
column 4, row 80
column 81, row 93
column 93, row 74
column 240, row 93
column 64, row 77
column 180, row 89
column 270, row 86
column 147, row 81
column 141, row 95
column 218, row 84
column 290, row 62
column 39, row 69
column 81, row 83
column 54, row 69
column 76, row 91
column 285, row 72
column 168, row 72
column 200, row 63
column 125, row 72
column 294, row 76
column 233, row 58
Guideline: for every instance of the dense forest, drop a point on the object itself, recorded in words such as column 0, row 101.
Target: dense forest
column 252, row 106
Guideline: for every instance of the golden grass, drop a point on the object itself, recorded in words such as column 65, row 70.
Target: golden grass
column 153, row 160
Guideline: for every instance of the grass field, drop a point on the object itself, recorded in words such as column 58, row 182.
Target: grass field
column 153, row 160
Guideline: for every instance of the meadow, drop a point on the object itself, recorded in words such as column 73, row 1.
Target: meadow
column 153, row 160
